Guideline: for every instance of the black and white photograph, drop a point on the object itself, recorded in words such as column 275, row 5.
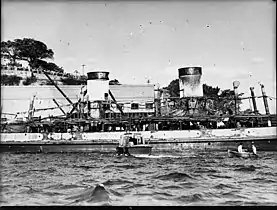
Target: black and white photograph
column 138, row 103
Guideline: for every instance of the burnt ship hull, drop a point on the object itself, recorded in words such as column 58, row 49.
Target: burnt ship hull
column 262, row 145
column 161, row 141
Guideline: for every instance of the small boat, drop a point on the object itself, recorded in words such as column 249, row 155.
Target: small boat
column 241, row 154
column 133, row 144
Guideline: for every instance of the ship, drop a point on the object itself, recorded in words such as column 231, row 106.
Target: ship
column 96, row 122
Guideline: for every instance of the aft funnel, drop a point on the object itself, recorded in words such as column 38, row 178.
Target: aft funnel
column 190, row 82
column 98, row 85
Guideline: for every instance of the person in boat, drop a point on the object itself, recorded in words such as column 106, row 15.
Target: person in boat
column 254, row 149
column 123, row 144
column 240, row 148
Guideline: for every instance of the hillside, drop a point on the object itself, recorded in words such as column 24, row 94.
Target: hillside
column 11, row 77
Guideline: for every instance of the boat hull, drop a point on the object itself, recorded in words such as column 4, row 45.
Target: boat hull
column 161, row 145
column 57, row 148
column 215, row 140
column 232, row 154
column 135, row 150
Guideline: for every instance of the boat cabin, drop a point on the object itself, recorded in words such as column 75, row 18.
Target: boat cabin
column 131, row 139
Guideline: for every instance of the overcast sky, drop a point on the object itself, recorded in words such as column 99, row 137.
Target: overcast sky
column 135, row 41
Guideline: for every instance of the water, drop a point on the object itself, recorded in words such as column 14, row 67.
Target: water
column 169, row 178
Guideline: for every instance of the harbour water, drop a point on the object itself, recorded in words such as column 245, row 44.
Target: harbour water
column 189, row 177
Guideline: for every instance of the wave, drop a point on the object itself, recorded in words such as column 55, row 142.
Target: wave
column 264, row 180
column 232, row 203
column 175, row 176
column 91, row 195
column 205, row 170
column 242, row 203
column 171, row 187
column 116, row 182
column 83, row 166
column 161, row 195
column 63, row 186
column 267, row 173
column 246, row 168
column 48, row 170
column 32, row 190
column 233, row 195
column 128, row 166
column 110, row 166
column 191, row 198
column 220, row 176
column 223, row 186
column 48, row 193
column 15, row 162
column 131, row 186
column 116, row 193
column 161, row 179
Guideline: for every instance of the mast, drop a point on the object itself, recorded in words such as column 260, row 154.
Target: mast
column 253, row 100
column 265, row 99
column 31, row 108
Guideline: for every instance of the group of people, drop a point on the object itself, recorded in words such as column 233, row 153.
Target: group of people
column 254, row 149
column 122, row 148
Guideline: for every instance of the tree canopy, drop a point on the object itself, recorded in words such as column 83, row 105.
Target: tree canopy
column 173, row 88
column 10, row 50
column 210, row 91
column 48, row 66
column 29, row 50
column 32, row 50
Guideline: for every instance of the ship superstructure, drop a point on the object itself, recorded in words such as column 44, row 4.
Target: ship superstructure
column 96, row 114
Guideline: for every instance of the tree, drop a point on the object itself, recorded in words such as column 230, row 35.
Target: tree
column 9, row 49
column 26, row 49
column 71, row 80
column 114, row 82
column 10, row 80
column 32, row 50
column 173, row 88
column 30, row 80
column 210, row 91
column 53, row 67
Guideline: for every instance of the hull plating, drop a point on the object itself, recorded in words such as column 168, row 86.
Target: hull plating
column 262, row 145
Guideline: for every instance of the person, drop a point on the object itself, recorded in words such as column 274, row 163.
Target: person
column 123, row 146
column 254, row 149
column 240, row 148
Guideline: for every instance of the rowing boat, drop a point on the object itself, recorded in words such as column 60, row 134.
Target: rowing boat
column 241, row 154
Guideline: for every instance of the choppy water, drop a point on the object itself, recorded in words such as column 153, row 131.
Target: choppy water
column 187, row 178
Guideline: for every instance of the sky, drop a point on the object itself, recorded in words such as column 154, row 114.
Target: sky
column 140, row 40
